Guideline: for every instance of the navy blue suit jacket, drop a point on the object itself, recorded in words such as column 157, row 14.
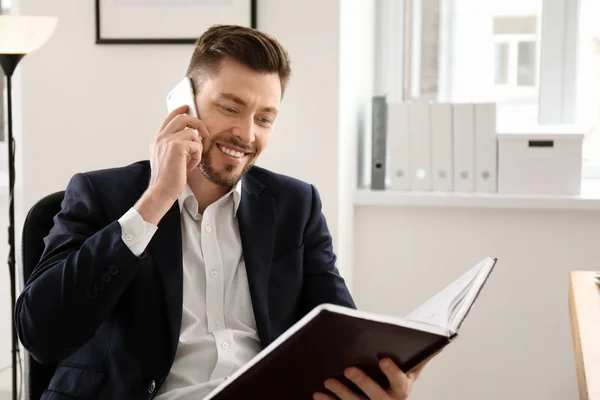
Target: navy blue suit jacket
column 111, row 321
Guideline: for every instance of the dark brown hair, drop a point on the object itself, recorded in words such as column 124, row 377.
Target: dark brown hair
column 253, row 48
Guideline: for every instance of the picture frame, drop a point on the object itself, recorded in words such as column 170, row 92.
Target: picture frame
column 154, row 19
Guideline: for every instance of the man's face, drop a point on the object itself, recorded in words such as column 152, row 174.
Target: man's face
column 238, row 107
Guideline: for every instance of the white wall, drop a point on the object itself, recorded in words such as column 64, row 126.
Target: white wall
column 87, row 106
column 356, row 77
column 516, row 342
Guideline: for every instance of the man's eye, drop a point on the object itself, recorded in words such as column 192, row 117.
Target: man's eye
column 228, row 109
column 266, row 121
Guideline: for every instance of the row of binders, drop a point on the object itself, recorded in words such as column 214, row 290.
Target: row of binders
column 433, row 146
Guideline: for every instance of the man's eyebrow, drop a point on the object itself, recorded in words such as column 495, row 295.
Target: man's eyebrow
column 233, row 97
column 237, row 100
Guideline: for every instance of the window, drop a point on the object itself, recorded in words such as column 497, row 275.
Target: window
column 501, row 63
column 526, row 63
column 588, row 85
column 516, row 60
column 489, row 51
column 539, row 60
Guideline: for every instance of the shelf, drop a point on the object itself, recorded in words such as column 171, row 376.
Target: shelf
column 588, row 200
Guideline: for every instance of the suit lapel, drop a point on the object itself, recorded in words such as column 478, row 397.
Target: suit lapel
column 166, row 250
column 256, row 218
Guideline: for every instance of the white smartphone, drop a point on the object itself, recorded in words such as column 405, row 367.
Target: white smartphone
column 182, row 94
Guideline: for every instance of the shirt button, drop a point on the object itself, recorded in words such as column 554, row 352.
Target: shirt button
column 215, row 323
column 225, row 345
column 151, row 386
column 208, row 229
column 129, row 237
column 214, row 274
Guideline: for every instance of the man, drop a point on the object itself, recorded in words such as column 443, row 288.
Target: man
column 161, row 278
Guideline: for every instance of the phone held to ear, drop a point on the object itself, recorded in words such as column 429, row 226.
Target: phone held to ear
column 182, row 94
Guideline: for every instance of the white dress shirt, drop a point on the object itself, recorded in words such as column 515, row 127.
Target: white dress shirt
column 218, row 329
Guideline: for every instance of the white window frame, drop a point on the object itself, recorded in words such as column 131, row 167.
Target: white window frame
column 513, row 44
column 560, row 43
column 558, row 60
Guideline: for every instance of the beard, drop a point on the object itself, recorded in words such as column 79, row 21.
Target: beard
column 228, row 176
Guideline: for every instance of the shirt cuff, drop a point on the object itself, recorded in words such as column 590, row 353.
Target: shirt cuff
column 136, row 233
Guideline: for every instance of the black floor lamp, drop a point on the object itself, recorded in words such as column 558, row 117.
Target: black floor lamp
column 19, row 36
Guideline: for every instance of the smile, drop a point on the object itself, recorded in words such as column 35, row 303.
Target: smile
column 231, row 152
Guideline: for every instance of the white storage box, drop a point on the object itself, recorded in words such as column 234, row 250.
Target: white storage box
column 540, row 160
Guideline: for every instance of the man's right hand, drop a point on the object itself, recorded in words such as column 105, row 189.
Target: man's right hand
column 176, row 150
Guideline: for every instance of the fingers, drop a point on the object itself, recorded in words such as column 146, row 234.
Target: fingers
column 400, row 384
column 195, row 154
column 179, row 110
column 322, row 396
column 364, row 383
column 183, row 121
column 202, row 131
column 341, row 390
column 416, row 371
column 186, row 134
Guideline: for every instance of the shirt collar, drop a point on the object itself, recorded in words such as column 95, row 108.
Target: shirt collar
column 236, row 192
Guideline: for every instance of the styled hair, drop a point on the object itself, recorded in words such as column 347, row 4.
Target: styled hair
column 250, row 47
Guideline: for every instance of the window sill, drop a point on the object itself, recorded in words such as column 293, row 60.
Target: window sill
column 588, row 200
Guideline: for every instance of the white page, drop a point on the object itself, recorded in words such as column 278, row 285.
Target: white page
column 437, row 309
column 459, row 314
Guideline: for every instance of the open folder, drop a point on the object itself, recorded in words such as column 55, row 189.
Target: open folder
column 330, row 338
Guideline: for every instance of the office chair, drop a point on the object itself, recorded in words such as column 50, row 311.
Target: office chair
column 37, row 225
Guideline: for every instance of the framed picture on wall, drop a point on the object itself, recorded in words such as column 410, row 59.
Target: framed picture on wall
column 167, row 21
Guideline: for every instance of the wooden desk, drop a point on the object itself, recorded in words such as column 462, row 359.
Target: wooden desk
column 584, row 310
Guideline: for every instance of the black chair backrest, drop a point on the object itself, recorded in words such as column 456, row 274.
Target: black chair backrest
column 38, row 222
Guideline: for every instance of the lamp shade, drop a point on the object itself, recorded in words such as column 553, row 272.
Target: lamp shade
column 24, row 34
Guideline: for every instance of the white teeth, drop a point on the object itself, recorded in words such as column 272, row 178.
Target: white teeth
column 231, row 152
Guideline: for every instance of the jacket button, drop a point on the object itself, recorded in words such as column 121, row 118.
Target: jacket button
column 106, row 277
column 113, row 270
column 92, row 294
column 151, row 386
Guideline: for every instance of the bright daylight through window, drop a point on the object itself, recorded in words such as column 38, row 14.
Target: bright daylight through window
column 493, row 50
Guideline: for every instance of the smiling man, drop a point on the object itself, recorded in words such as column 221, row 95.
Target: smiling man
column 162, row 278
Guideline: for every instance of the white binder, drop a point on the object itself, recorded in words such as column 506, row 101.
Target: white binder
column 399, row 146
column 420, row 146
column 486, row 145
column 442, row 147
column 464, row 147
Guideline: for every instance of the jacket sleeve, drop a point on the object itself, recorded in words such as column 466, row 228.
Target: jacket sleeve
column 322, row 280
column 79, row 279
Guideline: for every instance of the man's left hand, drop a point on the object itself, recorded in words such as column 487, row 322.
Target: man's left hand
column 400, row 383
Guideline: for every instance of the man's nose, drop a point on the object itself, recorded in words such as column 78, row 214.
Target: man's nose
column 245, row 130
